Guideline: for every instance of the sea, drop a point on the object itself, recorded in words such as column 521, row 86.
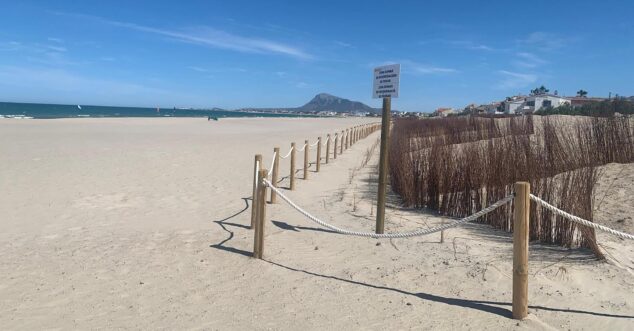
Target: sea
column 48, row 111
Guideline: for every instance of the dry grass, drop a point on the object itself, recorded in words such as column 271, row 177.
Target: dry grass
column 457, row 166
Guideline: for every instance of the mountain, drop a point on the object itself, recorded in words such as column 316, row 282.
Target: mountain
column 328, row 102
column 321, row 102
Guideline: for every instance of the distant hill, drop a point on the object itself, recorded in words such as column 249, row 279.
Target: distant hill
column 323, row 102
column 328, row 102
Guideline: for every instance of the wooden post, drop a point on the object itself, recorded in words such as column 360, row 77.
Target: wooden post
column 521, row 205
column 276, row 172
column 347, row 138
column 351, row 136
column 334, row 156
column 306, row 159
column 256, row 165
column 258, row 234
column 341, row 143
column 318, row 153
column 327, row 148
column 385, row 134
column 354, row 135
column 292, row 174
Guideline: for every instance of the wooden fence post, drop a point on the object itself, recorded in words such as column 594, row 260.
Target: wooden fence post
column 327, row 148
column 521, row 205
column 292, row 174
column 258, row 234
column 256, row 165
column 341, row 147
column 334, row 156
column 276, row 173
column 318, row 153
column 352, row 136
column 306, row 148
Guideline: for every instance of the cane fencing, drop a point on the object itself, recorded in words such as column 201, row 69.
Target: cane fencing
column 521, row 207
column 580, row 220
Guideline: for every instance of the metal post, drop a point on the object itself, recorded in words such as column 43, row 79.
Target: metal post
column 385, row 134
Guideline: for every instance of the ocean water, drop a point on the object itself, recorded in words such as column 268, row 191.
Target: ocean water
column 43, row 111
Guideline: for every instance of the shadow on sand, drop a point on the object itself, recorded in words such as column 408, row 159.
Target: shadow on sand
column 485, row 306
column 223, row 224
column 493, row 307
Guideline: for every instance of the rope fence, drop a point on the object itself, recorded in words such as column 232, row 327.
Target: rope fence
column 342, row 141
column 580, row 220
column 416, row 233
column 346, row 136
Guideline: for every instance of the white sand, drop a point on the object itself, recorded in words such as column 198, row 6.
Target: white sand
column 115, row 223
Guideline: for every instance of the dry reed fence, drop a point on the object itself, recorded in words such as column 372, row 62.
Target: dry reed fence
column 458, row 166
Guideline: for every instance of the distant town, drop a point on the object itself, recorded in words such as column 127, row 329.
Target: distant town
column 538, row 100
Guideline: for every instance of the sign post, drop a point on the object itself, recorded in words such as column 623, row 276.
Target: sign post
column 386, row 85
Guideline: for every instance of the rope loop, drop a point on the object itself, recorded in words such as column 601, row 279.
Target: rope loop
column 288, row 154
column 420, row 232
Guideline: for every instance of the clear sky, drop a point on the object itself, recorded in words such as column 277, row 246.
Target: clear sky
column 234, row 54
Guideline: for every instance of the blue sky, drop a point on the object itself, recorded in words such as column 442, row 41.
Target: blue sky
column 234, row 54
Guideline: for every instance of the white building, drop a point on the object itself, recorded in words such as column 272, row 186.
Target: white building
column 514, row 106
column 534, row 103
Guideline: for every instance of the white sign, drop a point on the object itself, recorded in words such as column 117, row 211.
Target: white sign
column 386, row 79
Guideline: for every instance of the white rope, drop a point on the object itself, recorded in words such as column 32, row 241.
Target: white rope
column 255, row 177
column 289, row 153
column 303, row 148
column 315, row 144
column 580, row 220
column 272, row 164
column 421, row 232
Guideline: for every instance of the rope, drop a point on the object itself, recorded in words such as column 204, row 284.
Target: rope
column 315, row 144
column 421, row 232
column 255, row 178
column 272, row 163
column 289, row 153
column 303, row 148
column 580, row 220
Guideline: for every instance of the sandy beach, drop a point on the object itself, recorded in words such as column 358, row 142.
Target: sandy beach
column 142, row 223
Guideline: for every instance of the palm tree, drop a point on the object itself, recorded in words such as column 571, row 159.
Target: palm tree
column 540, row 90
column 582, row 93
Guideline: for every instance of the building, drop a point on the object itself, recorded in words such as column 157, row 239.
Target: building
column 444, row 112
column 492, row 108
column 533, row 103
column 514, row 107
